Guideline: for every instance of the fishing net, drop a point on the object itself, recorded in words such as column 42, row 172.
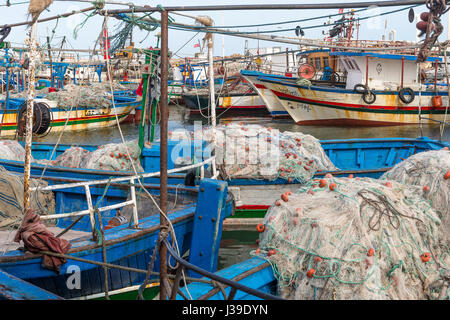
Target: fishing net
column 112, row 156
column 95, row 96
column 12, row 150
column 74, row 157
column 362, row 238
column 257, row 152
column 428, row 170
column 11, row 199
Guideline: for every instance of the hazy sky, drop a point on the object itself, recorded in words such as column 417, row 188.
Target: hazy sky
column 370, row 29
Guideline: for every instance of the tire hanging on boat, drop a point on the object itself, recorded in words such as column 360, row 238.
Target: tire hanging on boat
column 41, row 118
column 369, row 97
column 407, row 95
column 360, row 88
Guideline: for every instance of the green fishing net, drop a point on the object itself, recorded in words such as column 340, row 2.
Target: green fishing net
column 356, row 238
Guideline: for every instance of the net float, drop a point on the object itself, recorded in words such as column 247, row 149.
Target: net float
column 350, row 176
column 311, row 273
column 333, row 186
column 271, row 252
column 425, row 257
column 447, row 175
column 371, row 252
column 328, row 175
column 388, row 184
column 277, row 203
column 260, row 227
column 322, row 183
column 426, row 188
column 285, row 197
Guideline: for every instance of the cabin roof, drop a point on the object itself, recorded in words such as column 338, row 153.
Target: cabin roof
column 382, row 55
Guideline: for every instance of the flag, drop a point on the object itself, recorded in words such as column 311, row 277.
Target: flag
column 197, row 45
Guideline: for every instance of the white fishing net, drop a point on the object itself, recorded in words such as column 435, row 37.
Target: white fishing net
column 429, row 170
column 362, row 238
column 257, row 152
column 12, row 150
column 111, row 156
column 11, row 199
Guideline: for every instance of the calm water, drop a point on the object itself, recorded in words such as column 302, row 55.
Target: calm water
column 236, row 245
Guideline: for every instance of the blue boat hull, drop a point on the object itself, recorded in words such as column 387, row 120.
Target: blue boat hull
column 125, row 246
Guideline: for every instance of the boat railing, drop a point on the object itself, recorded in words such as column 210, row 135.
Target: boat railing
column 91, row 211
column 214, row 279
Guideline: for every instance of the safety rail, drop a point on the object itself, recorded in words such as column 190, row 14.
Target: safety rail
column 130, row 179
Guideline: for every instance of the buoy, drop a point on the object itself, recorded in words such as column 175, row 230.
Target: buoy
column 306, row 168
column 322, row 183
column 317, row 259
column 388, row 184
column 112, row 155
column 350, row 176
column 284, row 197
column 277, row 203
column 425, row 257
column 371, row 252
column 260, row 227
column 333, row 186
column 271, row 252
column 426, row 188
column 311, row 273
column 447, row 175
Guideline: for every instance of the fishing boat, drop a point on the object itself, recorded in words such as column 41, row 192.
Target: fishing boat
column 360, row 157
column 130, row 243
column 380, row 89
column 242, row 101
column 49, row 117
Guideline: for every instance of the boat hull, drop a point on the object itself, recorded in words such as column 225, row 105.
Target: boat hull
column 79, row 119
column 246, row 104
column 321, row 105
column 272, row 103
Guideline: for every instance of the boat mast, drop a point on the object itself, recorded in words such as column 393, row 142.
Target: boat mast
column 163, row 294
column 29, row 116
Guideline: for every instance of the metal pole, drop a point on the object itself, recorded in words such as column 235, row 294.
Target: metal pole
column 163, row 151
column 29, row 117
column 51, row 62
column 212, row 97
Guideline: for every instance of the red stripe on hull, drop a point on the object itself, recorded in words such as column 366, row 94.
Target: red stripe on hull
column 358, row 106
column 349, row 122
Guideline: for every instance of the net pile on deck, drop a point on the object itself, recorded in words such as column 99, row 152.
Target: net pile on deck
column 81, row 96
column 11, row 199
column 257, row 152
column 362, row 238
column 111, row 156
column 12, row 150
column 431, row 171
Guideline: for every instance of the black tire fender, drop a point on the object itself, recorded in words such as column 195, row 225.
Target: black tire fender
column 406, row 95
column 369, row 97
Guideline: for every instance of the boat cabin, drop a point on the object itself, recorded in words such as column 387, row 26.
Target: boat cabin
column 380, row 71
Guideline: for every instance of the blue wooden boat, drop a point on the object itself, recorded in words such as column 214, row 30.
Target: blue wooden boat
column 126, row 245
column 360, row 157
column 13, row 288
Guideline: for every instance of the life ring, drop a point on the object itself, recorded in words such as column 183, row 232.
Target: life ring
column 407, row 95
column 306, row 71
column 369, row 96
column 41, row 118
